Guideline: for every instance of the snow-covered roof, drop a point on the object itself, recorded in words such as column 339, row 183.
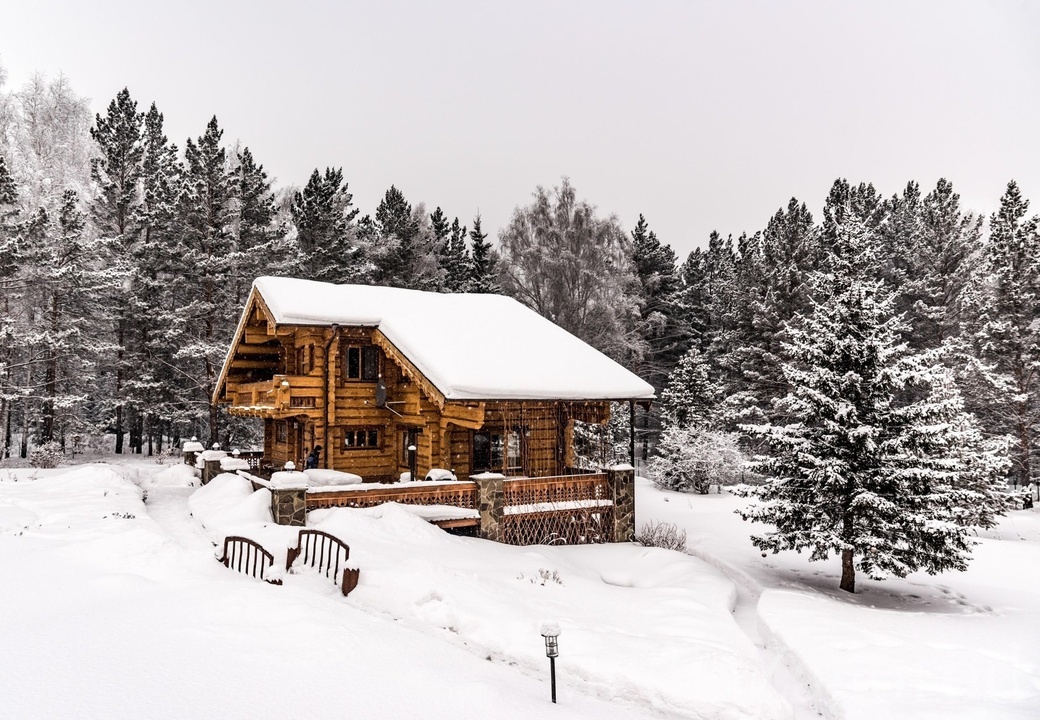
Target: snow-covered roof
column 470, row 346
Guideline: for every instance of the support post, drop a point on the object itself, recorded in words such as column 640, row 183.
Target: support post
column 289, row 505
column 491, row 504
column 622, row 481
column 210, row 469
column 632, row 433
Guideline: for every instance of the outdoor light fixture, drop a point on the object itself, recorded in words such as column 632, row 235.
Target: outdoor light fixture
column 411, row 462
column 551, row 631
column 285, row 384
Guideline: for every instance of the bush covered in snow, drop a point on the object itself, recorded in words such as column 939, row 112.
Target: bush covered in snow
column 662, row 535
column 48, row 455
column 691, row 458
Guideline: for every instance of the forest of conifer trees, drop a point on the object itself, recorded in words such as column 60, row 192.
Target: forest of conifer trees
column 125, row 259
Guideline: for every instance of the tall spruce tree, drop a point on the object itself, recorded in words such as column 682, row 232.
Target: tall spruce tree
column 942, row 252
column 691, row 397
column 157, row 385
column 483, row 265
column 116, row 213
column 329, row 246
column 394, row 258
column 9, row 262
column 881, row 465
column 457, row 261
column 1007, row 330
column 659, row 287
column 205, row 256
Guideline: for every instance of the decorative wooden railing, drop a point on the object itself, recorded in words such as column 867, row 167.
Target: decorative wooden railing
column 326, row 553
column 568, row 509
column 459, row 494
column 253, row 457
column 556, row 489
column 248, row 557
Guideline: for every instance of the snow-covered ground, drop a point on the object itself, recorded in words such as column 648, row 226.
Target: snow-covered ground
column 957, row 645
column 114, row 607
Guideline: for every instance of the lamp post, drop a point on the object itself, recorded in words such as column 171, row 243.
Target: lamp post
column 411, row 462
column 551, row 631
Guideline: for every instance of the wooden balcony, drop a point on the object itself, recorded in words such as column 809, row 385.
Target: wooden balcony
column 280, row 397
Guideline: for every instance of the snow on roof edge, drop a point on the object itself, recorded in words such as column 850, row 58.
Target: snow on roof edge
column 416, row 322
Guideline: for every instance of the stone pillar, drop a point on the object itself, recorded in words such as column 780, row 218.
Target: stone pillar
column 622, row 480
column 210, row 469
column 491, row 500
column 289, row 505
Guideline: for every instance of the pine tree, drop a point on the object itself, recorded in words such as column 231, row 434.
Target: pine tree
column 206, row 313
column 441, row 231
column 850, row 236
column 116, row 212
column 881, row 464
column 483, row 264
column 156, row 385
column 691, row 398
column 659, row 312
column 394, row 259
column 775, row 283
column 457, row 262
column 70, row 283
column 1007, row 329
column 260, row 246
column 942, row 246
column 329, row 245
column 9, row 261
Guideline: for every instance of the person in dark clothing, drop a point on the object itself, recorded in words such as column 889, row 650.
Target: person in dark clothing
column 312, row 459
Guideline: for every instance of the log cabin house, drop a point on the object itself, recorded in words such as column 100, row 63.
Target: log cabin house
column 382, row 378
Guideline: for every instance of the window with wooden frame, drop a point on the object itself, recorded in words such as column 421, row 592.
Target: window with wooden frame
column 281, row 431
column 361, row 438
column 361, row 363
column 406, row 439
column 498, row 451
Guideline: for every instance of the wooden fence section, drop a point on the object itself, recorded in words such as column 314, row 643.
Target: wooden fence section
column 563, row 510
column 556, row 490
column 326, row 553
column 458, row 494
column 247, row 556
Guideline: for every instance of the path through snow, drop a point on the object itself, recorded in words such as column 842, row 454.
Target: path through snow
column 168, row 507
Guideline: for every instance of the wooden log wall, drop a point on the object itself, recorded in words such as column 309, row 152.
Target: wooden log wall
column 444, row 428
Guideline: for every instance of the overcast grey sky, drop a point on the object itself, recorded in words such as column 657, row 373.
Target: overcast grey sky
column 701, row 115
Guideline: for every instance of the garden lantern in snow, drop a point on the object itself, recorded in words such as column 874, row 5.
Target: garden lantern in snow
column 551, row 631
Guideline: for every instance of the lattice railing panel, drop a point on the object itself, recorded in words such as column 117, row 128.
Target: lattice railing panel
column 573, row 526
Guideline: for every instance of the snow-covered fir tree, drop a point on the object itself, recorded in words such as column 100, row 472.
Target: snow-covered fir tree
column 483, row 263
column 880, row 464
column 691, row 397
column 1006, row 330
column 457, row 263
column 323, row 215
